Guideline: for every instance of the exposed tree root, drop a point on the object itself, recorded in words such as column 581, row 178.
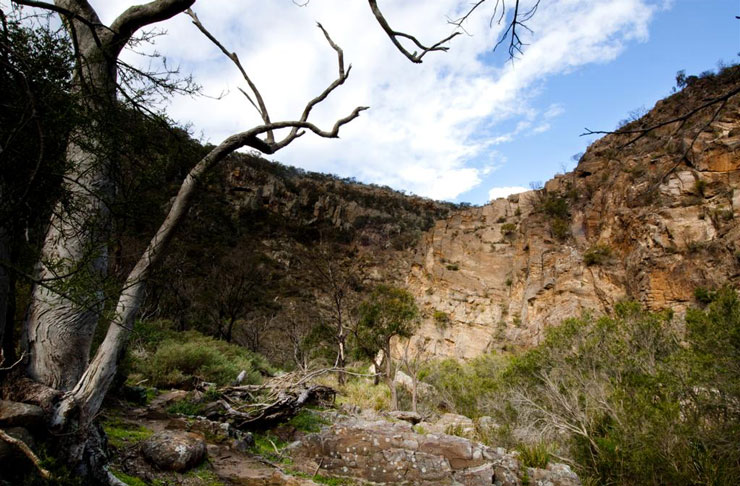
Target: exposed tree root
column 20, row 445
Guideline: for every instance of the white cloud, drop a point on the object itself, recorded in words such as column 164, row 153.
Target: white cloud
column 497, row 192
column 428, row 122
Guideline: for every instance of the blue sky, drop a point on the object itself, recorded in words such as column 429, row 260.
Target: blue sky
column 463, row 124
column 691, row 34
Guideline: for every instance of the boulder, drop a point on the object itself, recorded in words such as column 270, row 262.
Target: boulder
column 453, row 424
column 174, row 450
column 164, row 400
column 392, row 453
column 16, row 414
column 406, row 415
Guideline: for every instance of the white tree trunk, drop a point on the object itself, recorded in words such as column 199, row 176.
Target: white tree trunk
column 67, row 303
column 88, row 394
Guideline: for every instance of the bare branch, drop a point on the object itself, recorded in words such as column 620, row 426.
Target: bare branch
column 19, row 361
column 394, row 35
column 641, row 132
column 260, row 105
column 83, row 13
column 139, row 16
column 303, row 122
column 518, row 21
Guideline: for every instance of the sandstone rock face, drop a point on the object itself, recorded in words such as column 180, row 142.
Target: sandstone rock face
column 392, row 453
column 174, row 450
column 492, row 276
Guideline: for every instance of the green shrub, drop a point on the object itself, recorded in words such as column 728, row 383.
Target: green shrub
column 269, row 447
column 557, row 209
column 453, row 267
column 632, row 399
column 508, row 229
column 441, row 319
column 597, row 255
column 308, row 421
column 700, row 187
column 179, row 358
column 560, row 228
column 186, row 407
column 121, row 433
column 465, row 388
column 534, row 455
column 704, row 295
column 362, row 393
column 132, row 480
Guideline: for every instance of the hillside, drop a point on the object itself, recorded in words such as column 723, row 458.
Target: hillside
column 651, row 220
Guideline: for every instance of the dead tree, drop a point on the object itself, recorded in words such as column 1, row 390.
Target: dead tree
column 337, row 277
column 413, row 361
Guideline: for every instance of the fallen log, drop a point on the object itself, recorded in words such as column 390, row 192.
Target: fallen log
column 279, row 408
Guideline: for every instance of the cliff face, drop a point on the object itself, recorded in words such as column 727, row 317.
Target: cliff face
column 650, row 219
column 267, row 249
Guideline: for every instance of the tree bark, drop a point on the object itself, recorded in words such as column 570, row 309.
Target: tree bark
column 6, row 298
column 390, row 375
column 59, row 329
column 414, row 390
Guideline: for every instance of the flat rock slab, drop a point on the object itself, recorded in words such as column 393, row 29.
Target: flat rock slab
column 407, row 416
column 247, row 471
column 174, row 450
column 393, row 453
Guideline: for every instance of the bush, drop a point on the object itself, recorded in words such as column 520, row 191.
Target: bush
column 363, row 394
column 632, row 399
column 508, row 229
column 560, row 229
column 441, row 319
column 465, row 388
column 168, row 359
column 557, row 209
column 700, row 187
column 534, row 455
column 597, row 255
column 704, row 295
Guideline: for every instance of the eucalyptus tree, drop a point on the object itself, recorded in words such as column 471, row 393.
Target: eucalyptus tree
column 388, row 313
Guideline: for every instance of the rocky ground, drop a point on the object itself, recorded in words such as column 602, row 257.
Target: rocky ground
column 153, row 445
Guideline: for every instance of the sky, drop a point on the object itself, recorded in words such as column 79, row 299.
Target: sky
column 464, row 126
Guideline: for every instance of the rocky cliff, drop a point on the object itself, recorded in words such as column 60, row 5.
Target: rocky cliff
column 650, row 213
